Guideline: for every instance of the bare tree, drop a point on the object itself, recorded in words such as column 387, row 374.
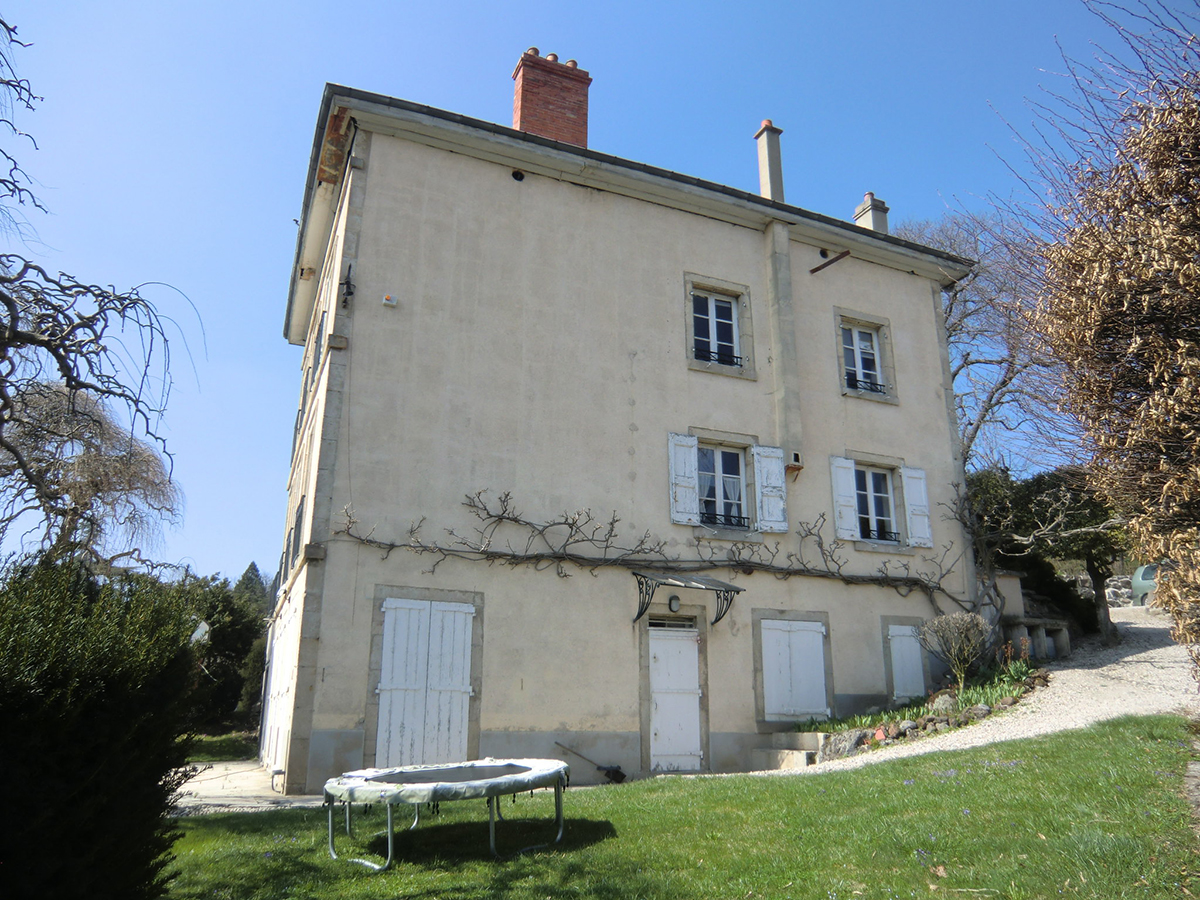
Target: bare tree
column 957, row 639
column 1116, row 238
column 998, row 367
column 110, row 491
column 73, row 356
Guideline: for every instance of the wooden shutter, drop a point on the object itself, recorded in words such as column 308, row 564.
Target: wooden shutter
column 793, row 655
column 770, row 488
column 448, row 690
column 685, row 484
column 908, row 669
column 402, row 684
column 845, row 501
column 916, row 506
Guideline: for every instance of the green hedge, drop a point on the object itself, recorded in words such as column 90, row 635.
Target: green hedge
column 95, row 677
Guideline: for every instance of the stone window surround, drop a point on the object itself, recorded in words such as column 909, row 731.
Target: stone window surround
column 884, row 623
column 887, row 370
column 899, row 505
column 737, row 441
column 757, row 615
column 740, row 293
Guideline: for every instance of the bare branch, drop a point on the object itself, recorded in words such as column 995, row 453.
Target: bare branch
column 505, row 536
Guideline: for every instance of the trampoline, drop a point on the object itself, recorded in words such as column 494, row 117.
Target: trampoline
column 414, row 785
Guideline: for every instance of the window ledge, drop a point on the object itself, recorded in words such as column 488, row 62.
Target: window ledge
column 889, row 397
column 715, row 533
column 699, row 365
column 884, row 547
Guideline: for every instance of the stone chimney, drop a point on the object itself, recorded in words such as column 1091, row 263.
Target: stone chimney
column 551, row 98
column 872, row 213
column 770, row 165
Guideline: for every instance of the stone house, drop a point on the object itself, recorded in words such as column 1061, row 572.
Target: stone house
column 595, row 453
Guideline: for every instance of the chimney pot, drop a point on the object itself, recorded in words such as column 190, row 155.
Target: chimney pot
column 551, row 98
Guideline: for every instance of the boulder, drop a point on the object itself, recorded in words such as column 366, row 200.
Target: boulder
column 944, row 703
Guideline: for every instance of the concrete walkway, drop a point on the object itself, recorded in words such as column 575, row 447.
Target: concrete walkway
column 240, row 786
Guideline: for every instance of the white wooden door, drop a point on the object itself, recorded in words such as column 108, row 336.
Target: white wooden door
column 675, row 699
column 908, row 670
column 793, row 655
column 425, row 682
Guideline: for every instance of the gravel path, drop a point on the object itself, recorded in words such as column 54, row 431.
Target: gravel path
column 1146, row 673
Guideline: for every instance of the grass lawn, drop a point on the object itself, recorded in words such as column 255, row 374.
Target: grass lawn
column 1096, row 813
column 222, row 747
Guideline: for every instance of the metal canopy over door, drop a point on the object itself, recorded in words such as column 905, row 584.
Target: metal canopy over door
column 908, row 670
column 425, row 683
column 675, row 699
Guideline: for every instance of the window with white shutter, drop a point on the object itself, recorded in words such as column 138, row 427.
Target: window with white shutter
column 685, row 486
column 770, row 489
column 711, row 485
column 916, row 505
column 867, row 508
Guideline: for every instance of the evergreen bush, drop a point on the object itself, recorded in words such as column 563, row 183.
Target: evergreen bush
column 95, row 678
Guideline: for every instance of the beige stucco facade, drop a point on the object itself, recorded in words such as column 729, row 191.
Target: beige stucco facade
column 521, row 320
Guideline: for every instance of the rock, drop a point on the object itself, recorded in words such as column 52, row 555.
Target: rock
column 880, row 734
column 941, row 726
column 843, row 743
column 906, row 726
column 944, row 703
column 1006, row 702
column 979, row 711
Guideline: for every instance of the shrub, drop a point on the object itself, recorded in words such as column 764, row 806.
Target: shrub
column 235, row 623
column 95, row 679
column 957, row 639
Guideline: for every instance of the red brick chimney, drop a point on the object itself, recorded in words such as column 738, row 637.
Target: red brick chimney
column 551, row 98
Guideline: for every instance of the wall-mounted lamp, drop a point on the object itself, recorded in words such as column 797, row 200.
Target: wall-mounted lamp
column 347, row 287
column 673, row 603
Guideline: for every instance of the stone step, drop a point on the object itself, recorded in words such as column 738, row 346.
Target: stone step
column 799, row 740
column 764, row 759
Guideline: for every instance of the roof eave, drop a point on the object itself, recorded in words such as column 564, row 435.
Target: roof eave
column 535, row 154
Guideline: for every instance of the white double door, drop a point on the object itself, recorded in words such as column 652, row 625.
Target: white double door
column 425, row 682
column 675, row 742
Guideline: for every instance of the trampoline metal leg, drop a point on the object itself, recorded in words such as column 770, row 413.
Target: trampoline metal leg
column 558, row 821
column 391, row 840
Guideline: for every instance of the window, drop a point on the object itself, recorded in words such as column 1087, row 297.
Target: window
column 873, row 492
column 904, row 660
column 793, row 675
column 297, row 534
column 714, row 329
column 860, row 358
column 722, row 476
column 872, row 500
column 864, row 356
column 719, row 336
column 714, row 483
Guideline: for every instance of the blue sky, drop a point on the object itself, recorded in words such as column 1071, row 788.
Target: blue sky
column 174, row 137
